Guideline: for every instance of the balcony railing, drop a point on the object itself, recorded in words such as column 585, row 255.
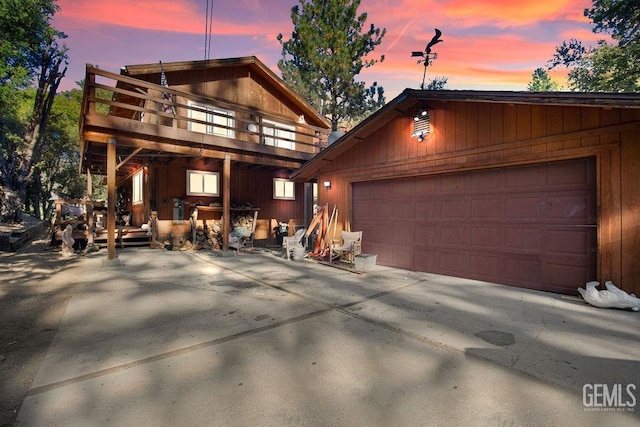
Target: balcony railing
column 137, row 101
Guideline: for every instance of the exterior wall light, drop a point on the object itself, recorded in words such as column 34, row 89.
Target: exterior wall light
column 421, row 124
column 327, row 184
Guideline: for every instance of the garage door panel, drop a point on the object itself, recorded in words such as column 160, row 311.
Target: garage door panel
column 487, row 180
column 524, row 178
column 486, row 236
column 402, row 233
column 569, row 241
column 373, row 210
column 568, row 207
column 527, row 208
column 454, row 235
column 491, row 266
column 424, row 260
column 402, row 211
column 426, row 235
column 523, row 239
column 572, row 174
column 427, row 185
column 404, row 187
column 402, row 255
column 454, row 263
column 529, row 226
column 426, row 210
column 555, row 275
column 524, row 271
column 455, row 208
column 456, row 183
column 487, row 208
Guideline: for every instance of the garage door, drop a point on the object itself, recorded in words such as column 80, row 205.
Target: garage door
column 531, row 226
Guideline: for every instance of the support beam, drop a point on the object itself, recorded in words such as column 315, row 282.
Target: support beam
column 111, row 200
column 136, row 151
column 167, row 147
column 226, row 201
column 89, row 184
column 89, row 207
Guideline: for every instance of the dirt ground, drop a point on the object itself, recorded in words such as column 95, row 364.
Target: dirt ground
column 31, row 308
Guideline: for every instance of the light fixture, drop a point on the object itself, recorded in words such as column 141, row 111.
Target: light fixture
column 327, row 184
column 421, row 124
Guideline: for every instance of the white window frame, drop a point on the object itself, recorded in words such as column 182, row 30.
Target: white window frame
column 274, row 132
column 203, row 183
column 213, row 116
column 283, row 189
column 137, row 188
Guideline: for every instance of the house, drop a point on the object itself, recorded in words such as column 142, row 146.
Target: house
column 536, row 190
column 220, row 136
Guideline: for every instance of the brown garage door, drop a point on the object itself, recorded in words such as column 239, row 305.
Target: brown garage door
column 532, row 226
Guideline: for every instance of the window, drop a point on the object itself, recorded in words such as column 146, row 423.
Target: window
column 279, row 135
column 224, row 119
column 283, row 189
column 136, row 191
column 203, row 183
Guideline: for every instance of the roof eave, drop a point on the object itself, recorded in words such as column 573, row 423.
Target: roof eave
column 409, row 97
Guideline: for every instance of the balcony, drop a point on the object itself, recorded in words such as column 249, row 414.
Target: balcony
column 144, row 116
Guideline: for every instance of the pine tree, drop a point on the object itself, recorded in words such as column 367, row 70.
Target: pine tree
column 327, row 50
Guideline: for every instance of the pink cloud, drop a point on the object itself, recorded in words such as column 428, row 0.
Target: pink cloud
column 181, row 16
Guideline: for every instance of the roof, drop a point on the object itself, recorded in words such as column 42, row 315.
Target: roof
column 409, row 98
column 311, row 114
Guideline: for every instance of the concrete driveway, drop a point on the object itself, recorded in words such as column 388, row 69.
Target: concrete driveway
column 186, row 338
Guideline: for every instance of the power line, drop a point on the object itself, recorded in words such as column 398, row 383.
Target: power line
column 208, row 29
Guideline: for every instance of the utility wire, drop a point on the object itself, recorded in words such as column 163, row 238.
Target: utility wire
column 208, row 29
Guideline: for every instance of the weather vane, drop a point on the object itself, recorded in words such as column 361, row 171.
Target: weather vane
column 427, row 57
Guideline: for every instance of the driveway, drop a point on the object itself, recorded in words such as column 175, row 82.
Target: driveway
column 187, row 338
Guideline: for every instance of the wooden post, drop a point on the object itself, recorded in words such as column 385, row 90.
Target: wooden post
column 226, row 200
column 89, row 206
column 111, row 199
column 91, row 88
column 89, row 185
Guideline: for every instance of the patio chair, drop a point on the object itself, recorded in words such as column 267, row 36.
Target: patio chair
column 348, row 248
column 289, row 243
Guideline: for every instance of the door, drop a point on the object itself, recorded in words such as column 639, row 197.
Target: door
column 532, row 226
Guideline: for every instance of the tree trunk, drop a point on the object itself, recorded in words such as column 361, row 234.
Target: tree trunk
column 15, row 187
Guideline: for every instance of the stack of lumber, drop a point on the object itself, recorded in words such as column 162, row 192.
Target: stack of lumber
column 322, row 222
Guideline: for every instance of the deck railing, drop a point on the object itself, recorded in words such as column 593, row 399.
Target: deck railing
column 135, row 100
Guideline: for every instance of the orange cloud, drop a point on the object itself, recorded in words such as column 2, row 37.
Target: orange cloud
column 509, row 12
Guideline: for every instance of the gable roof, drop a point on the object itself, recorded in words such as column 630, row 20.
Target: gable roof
column 254, row 64
column 410, row 98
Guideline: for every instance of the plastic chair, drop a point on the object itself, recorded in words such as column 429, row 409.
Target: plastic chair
column 289, row 243
column 349, row 247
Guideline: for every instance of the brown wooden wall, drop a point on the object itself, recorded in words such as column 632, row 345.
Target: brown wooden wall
column 473, row 135
column 252, row 185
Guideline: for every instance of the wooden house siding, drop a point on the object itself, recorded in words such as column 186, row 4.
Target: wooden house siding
column 130, row 122
column 468, row 136
column 166, row 181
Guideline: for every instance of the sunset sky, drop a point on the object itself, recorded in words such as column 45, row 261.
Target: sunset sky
column 488, row 44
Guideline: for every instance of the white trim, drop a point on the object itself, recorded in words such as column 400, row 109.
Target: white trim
column 137, row 188
column 283, row 189
column 202, row 183
column 276, row 131
column 213, row 116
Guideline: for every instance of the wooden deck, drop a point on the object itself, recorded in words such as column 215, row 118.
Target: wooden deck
column 125, row 236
